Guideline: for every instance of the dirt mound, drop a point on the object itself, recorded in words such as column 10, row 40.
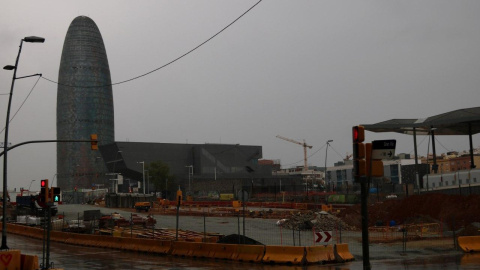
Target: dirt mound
column 452, row 210
column 320, row 220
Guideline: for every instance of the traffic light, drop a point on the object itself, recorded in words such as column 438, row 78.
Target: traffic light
column 44, row 194
column 359, row 163
column 374, row 167
column 179, row 197
column 94, row 141
column 44, row 183
column 56, row 194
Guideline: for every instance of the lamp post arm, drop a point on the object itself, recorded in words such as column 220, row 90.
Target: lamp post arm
column 33, row 75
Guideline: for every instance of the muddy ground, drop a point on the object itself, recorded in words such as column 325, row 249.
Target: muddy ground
column 453, row 211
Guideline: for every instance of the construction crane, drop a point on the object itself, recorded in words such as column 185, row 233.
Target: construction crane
column 304, row 144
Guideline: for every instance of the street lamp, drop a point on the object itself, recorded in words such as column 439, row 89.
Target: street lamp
column 148, row 182
column 30, row 185
column 326, row 151
column 143, row 174
column 31, row 39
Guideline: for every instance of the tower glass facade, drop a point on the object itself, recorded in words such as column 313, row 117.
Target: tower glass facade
column 84, row 106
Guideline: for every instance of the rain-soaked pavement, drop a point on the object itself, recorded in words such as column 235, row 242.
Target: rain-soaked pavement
column 76, row 257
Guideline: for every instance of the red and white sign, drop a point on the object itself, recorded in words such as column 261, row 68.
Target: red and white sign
column 323, row 237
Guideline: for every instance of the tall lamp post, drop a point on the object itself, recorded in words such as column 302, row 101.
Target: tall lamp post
column 326, row 151
column 143, row 175
column 30, row 186
column 31, row 39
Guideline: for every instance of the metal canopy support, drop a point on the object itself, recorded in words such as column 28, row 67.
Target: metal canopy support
column 434, row 166
column 472, row 162
column 416, row 157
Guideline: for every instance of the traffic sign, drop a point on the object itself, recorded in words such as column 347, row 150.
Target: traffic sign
column 383, row 149
column 323, row 237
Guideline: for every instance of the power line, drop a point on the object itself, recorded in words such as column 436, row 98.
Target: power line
column 167, row 64
column 436, row 139
column 418, row 145
column 25, row 100
column 336, row 152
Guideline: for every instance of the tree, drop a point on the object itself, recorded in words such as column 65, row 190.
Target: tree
column 160, row 176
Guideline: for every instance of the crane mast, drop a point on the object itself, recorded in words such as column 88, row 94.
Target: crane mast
column 304, row 144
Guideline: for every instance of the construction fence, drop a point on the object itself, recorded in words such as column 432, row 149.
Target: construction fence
column 244, row 229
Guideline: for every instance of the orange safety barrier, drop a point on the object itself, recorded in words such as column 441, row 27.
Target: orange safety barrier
column 30, row 232
column 249, row 253
column 469, row 243
column 284, row 254
column 162, row 247
column 342, row 254
column 10, row 260
column 184, row 249
column 199, row 250
column 320, row 254
column 472, row 259
column 29, row 262
column 220, row 251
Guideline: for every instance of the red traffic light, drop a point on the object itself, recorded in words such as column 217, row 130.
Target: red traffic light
column 358, row 134
column 44, row 183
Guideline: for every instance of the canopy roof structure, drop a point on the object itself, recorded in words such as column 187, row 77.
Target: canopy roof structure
column 458, row 122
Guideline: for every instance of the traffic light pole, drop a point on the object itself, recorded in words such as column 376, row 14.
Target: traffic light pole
column 365, row 183
column 364, row 210
column 49, row 221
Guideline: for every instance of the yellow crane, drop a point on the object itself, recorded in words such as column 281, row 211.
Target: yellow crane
column 304, row 144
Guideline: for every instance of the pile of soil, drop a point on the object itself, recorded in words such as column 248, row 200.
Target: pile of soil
column 453, row 211
column 322, row 221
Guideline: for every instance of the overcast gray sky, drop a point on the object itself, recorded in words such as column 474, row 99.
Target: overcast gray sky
column 301, row 69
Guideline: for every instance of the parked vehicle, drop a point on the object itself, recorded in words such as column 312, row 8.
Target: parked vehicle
column 145, row 206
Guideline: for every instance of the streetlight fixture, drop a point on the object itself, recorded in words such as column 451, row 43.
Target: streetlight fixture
column 31, row 39
column 143, row 175
column 326, row 151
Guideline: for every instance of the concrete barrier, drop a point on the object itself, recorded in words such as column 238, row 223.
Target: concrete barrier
column 199, row 250
column 245, row 253
column 469, row 243
column 220, row 251
column 342, row 254
column 284, row 254
column 183, row 249
column 29, row 262
column 320, row 254
column 472, row 259
column 249, row 253
column 162, row 247
column 10, row 260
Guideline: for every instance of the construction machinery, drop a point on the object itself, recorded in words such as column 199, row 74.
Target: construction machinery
column 304, row 144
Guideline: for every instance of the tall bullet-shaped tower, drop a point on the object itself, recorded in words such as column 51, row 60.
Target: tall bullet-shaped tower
column 84, row 106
